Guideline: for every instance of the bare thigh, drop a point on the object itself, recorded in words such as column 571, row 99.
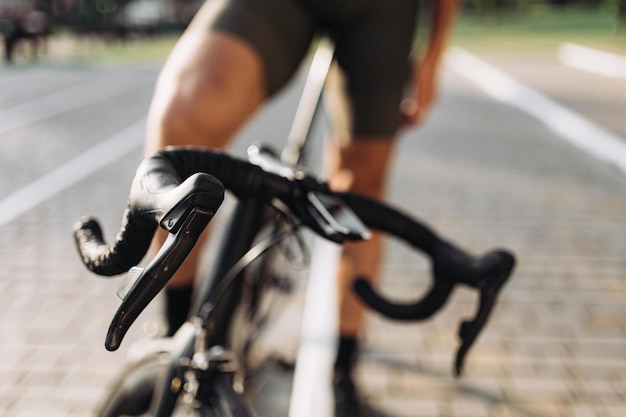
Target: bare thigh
column 211, row 84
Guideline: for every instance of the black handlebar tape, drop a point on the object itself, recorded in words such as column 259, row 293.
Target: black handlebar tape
column 154, row 191
column 247, row 180
column 131, row 244
column 157, row 195
column 386, row 219
column 434, row 299
column 239, row 176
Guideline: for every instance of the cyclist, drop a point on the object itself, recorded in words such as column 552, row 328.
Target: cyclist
column 237, row 53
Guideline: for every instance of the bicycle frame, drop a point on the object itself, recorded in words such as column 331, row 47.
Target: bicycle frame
column 213, row 318
column 247, row 217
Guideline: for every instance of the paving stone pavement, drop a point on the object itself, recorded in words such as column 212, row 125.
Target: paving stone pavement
column 479, row 173
column 556, row 343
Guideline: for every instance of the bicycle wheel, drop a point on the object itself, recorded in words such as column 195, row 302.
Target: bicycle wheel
column 269, row 285
column 133, row 390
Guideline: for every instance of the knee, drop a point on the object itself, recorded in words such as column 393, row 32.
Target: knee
column 209, row 87
column 180, row 115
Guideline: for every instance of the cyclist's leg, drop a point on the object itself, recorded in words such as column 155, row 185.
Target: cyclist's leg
column 367, row 163
column 217, row 76
column 375, row 79
column 210, row 85
column 360, row 164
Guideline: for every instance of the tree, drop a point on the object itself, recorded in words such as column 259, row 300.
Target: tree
column 621, row 13
column 618, row 9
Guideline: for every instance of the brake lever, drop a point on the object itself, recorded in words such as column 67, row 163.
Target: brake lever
column 334, row 218
column 141, row 285
column 489, row 289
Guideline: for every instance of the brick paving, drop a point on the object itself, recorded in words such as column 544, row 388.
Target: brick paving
column 481, row 174
column 556, row 344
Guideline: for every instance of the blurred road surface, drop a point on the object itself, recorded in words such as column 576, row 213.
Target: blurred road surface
column 480, row 172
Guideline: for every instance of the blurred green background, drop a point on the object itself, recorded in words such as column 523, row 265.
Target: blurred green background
column 540, row 24
column 123, row 31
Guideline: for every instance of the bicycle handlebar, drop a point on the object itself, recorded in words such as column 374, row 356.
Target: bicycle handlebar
column 178, row 189
column 450, row 266
column 157, row 197
column 160, row 196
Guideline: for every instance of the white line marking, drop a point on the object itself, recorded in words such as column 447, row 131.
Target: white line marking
column 570, row 126
column 72, row 172
column 65, row 100
column 311, row 394
column 593, row 60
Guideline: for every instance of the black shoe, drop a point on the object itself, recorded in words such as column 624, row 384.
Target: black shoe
column 347, row 401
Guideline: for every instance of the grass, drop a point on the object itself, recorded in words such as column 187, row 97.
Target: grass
column 540, row 29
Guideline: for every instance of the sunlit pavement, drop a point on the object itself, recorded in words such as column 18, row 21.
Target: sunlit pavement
column 481, row 173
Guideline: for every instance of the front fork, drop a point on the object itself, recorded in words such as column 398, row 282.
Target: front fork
column 192, row 365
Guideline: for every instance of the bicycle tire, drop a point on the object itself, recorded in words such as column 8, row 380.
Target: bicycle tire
column 132, row 390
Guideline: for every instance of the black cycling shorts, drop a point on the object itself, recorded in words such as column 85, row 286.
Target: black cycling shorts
column 373, row 43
